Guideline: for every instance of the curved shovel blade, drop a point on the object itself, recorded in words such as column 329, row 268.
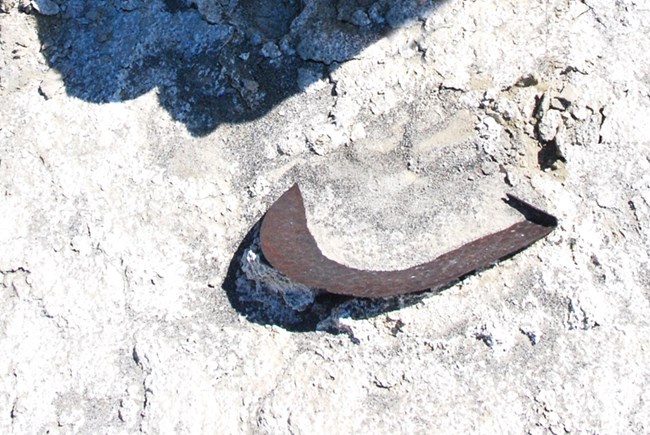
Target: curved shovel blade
column 288, row 246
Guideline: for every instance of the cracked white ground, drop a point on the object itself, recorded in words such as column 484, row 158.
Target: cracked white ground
column 124, row 193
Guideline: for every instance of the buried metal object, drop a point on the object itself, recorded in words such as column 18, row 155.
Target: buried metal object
column 289, row 247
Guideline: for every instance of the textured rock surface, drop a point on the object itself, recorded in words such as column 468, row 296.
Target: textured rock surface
column 140, row 142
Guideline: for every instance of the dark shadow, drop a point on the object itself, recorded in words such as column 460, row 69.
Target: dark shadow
column 254, row 300
column 263, row 295
column 251, row 57
column 530, row 212
column 548, row 155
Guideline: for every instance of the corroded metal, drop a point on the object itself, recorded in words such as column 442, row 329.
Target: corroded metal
column 288, row 246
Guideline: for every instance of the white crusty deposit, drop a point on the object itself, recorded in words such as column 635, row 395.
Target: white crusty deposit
column 140, row 141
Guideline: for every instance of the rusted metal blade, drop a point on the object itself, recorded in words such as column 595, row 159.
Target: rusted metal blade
column 288, row 246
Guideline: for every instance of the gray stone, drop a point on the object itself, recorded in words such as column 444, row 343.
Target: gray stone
column 549, row 125
column 7, row 5
column 270, row 49
column 360, row 18
column 128, row 306
column 46, row 7
column 211, row 10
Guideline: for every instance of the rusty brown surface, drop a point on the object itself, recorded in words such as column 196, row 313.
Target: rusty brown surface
column 288, row 246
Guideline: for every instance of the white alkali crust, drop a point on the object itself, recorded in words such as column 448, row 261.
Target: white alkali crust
column 141, row 140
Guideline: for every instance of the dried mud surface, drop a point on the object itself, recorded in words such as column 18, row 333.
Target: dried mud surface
column 141, row 141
